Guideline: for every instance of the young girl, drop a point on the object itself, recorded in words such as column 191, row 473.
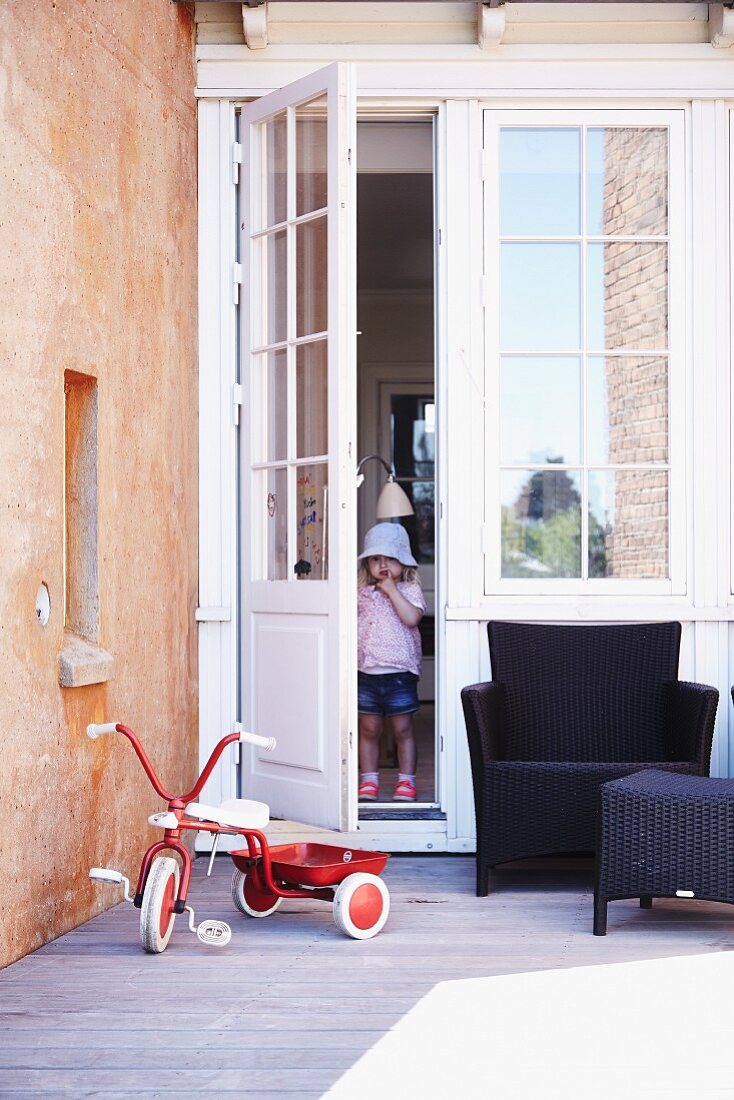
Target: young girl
column 390, row 605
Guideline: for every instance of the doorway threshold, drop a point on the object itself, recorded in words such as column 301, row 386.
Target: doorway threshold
column 398, row 833
column 394, row 813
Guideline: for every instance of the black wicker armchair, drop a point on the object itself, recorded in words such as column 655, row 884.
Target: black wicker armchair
column 568, row 708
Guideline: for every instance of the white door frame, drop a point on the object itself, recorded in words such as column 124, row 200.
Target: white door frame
column 219, row 413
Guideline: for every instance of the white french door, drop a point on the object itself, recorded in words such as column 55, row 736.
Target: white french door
column 298, row 355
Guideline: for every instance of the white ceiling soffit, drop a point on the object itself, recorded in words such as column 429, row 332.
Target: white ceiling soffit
column 277, row 22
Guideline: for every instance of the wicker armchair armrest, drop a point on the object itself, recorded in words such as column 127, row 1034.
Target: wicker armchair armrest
column 692, row 717
column 484, row 712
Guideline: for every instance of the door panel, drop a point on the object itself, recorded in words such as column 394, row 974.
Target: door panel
column 296, row 717
column 297, row 471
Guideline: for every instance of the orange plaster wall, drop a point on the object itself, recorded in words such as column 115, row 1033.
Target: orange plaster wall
column 98, row 238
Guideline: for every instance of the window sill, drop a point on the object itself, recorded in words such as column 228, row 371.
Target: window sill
column 81, row 663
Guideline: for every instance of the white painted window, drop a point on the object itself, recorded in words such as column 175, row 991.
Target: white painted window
column 585, row 342
column 289, row 247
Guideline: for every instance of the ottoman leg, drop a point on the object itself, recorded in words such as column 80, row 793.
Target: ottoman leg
column 645, row 901
column 600, row 915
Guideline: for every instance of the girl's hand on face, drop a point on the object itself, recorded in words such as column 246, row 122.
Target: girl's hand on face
column 387, row 585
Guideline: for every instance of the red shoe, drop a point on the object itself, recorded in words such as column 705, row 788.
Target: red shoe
column 368, row 791
column 404, row 791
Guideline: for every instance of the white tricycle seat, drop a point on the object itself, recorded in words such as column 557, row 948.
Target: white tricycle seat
column 237, row 813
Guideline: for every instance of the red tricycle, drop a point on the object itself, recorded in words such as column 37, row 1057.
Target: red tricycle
column 263, row 877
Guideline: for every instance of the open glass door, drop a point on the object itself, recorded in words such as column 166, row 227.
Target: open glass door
column 297, row 470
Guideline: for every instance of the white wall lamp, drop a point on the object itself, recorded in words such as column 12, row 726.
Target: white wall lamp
column 392, row 501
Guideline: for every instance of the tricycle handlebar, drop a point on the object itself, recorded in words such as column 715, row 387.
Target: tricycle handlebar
column 267, row 743
column 97, row 729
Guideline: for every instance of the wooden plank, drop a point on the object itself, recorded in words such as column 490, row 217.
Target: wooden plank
column 90, row 1014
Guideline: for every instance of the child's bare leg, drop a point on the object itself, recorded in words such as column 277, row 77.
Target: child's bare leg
column 370, row 730
column 402, row 725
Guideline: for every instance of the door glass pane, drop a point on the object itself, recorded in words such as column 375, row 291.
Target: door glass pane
column 421, row 527
column 270, row 301
column 627, row 410
column 540, row 182
column 413, row 435
column 312, row 437
column 273, row 484
column 540, row 409
column 271, row 207
column 627, row 182
column 270, row 393
column 311, row 277
column 540, row 297
column 311, row 156
column 628, row 523
column 627, row 295
column 311, row 521
column 541, row 523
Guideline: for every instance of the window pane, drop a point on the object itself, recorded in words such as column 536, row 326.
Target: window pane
column 311, row 275
column 540, row 183
column 312, row 399
column 311, row 156
column 311, row 521
column 540, row 297
column 627, row 182
column 541, row 523
column 275, row 523
column 271, row 207
column 270, row 422
column 627, row 410
column 540, row 410
column 413, row 435
column 627, row 302
column 628, row 523
column 270, row 305
column 421, row 526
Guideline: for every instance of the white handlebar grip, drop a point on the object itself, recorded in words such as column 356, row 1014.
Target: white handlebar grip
column 267, row 743
column 96, row 730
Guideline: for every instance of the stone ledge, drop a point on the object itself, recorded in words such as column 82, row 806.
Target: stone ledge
column 81, row 663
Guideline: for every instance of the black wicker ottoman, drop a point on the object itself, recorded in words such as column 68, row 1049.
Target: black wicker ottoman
column 662, row 835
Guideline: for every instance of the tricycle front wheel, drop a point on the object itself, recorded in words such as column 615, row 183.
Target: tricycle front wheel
column 250, row 898
column 159, row 897
column 361, row 905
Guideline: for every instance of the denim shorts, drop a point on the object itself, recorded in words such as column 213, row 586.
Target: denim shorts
column 387, row 693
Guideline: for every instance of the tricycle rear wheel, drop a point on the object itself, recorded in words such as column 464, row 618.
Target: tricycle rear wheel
column 250, row 898
column 159, row 897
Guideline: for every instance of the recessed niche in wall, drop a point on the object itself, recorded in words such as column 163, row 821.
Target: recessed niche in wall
column 81, row 610
column 81, row 661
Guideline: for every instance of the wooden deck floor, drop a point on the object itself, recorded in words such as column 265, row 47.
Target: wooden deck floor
column 506, row 989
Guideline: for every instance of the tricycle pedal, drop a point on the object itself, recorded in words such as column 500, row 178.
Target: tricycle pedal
column 214, row 933
column 112, row 878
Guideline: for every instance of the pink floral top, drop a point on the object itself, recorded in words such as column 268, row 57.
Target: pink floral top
column 383, row 639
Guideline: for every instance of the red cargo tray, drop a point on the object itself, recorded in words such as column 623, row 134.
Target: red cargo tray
column 315, row 864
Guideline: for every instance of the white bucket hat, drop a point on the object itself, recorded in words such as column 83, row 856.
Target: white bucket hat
column 390, row 540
